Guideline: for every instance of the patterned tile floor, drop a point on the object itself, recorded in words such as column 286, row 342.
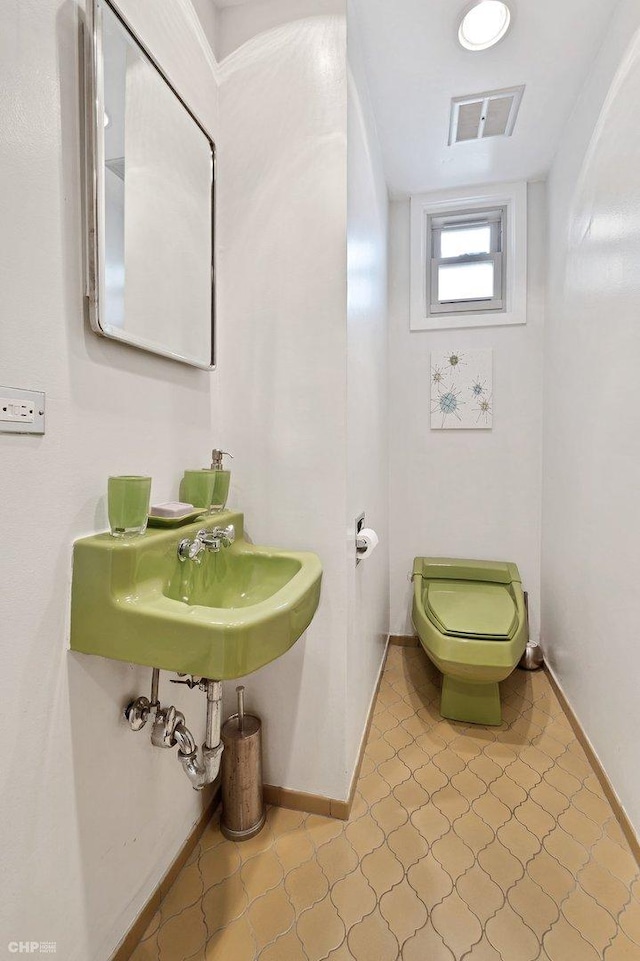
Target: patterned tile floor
column 482, row 844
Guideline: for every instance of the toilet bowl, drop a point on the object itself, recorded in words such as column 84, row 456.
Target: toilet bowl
column 471, row 619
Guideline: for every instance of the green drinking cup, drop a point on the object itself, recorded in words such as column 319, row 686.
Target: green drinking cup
column 128, row 505
column 196, row 487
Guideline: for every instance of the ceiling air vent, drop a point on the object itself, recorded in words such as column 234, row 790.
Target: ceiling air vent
column 482, row 115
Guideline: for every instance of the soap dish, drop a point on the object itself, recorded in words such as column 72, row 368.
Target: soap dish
column 155, row 521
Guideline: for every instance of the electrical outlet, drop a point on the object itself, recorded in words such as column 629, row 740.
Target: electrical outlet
column 21, row 411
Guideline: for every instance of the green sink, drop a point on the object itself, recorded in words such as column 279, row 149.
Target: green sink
column 235, row 611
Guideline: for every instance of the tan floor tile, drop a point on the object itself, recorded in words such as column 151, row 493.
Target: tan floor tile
column 484, row 768
column 283, row 821
column 286, row 948
column 510, row 936
column 507, row 791
column 483, row 895
column 430, row 778
column 354, row 898
column 622, row 949
column 594, row 923
column 293, row 850
column 492, row 811
column 261, row 874
column 182, row 935
column 564, row 943
column 469, row 785
column 394, row 771
column 340, row 954
column 371, row 940
column 630, row 922
column 519, row 840
column 456, row 925
column 379, row 750
column 211, row 836
column 337, row 859
column 603, row 887
column 186, row 890
column 500, row 865
column 398, row 737
column 554, row 880
column 533, row 905
column 565, row 849
column 593, row 806
column 449, row 763
column 475, row 832
column 234, row 941
column 453, row 854
column 479, row 800
column 483, row 951
column 562, row 781
column 306, row 885
column 523, row 775
column 403, row 911
column 382, row 869
column 146, row 951
column 430, row 881
column 373, row 788
column 388, row 814
column 407, row 844
column 364, row 835
column 270, row 916
column 413, row 756
column 224, row 903
column 218, row 863
column 450, row 802
column 320, row 929
column 152, row 927
column 426, row 945
column 535, row 818
column 580, row 827
column 617, row 859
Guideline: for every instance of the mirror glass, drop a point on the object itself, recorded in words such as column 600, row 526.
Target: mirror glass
column 153, row 206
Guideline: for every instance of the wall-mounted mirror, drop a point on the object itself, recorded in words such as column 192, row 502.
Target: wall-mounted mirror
column 151, row 168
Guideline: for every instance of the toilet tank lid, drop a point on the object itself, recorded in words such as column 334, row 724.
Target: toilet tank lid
column 462, row 569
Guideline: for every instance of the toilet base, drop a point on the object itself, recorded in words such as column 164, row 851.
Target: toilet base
column 466, row 701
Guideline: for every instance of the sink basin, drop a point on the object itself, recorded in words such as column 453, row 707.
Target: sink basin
column 239, row 609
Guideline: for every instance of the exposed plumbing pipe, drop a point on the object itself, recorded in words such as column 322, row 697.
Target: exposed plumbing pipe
column 169, row 729
column 204, row 772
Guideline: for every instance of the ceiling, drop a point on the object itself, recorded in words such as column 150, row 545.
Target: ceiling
column 415, row 66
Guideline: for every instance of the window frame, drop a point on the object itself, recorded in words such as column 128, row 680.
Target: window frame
column 461, row 202
column 494, row 218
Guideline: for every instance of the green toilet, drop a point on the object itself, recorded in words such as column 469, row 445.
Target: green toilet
column 471, row 619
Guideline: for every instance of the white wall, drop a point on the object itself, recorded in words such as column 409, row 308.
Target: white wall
column 283, row 366
column 91, row 816
column 466, row 493
column 367, row 400
column 590, row 560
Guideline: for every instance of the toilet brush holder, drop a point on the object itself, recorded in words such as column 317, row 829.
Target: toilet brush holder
column 243, row 810
column 532, row 659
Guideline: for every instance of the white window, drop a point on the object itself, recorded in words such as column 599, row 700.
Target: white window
column 466, row 271
column 469, row 257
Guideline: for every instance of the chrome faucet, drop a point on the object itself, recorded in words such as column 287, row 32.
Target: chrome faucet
column 205, row 540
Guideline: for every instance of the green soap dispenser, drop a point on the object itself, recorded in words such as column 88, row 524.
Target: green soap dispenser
column 222, row 479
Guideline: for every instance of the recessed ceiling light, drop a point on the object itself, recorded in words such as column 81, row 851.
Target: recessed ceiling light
column 484, row 25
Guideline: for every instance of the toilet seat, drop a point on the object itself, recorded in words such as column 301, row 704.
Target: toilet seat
column 470, row 609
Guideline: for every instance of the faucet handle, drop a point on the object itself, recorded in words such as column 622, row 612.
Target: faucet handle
column 228, row 535
column 189, row 550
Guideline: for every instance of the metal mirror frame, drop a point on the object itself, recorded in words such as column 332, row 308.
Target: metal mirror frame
column 95, row 181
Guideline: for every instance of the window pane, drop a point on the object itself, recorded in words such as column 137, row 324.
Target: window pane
column 457, row 241
column 465, row 282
